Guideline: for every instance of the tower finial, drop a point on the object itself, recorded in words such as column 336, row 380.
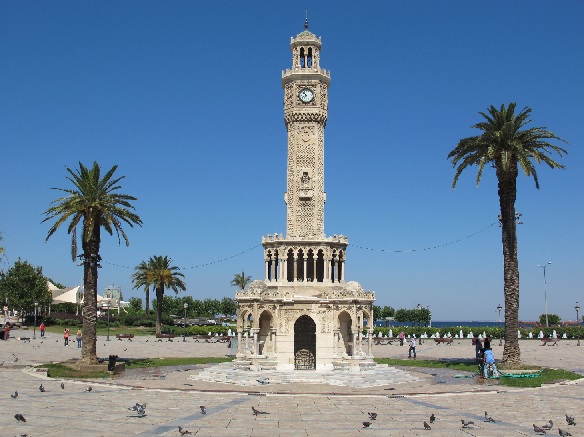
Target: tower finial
column 306, row 22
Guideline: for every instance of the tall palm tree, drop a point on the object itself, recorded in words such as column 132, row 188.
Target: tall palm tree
column 160, row 274
column 94, row 202
column 140, row 279
column 240, row 281
column 506, row 144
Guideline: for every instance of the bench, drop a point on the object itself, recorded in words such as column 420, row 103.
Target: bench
column 122, row 336
column 444, row 340
column 549, row 340
column 380, row 341
column 167, row 336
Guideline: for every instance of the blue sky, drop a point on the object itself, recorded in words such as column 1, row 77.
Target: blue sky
column 186, row 98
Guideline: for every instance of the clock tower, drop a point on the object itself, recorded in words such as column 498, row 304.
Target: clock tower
column 303, row 314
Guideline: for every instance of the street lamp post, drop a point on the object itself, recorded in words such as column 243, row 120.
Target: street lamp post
column 36, row 305
column 499, row 308
column 545, row 292
column 108, row 322
column 185, row 306
column 577, row 308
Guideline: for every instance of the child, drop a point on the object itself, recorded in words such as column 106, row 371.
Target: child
column 489, row 362
column 78, row 338
column 66, row 336
column 42, row 327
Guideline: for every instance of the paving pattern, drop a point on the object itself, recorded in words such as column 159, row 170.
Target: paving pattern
column 292, row 407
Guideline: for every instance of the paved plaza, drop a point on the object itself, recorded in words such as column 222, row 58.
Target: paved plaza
column 302, row 403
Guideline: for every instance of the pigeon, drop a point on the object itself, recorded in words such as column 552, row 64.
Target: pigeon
column 548, row 425
column 263, row 381
column 15, row 359
column 426, row 426
column 63, row 385
column 88, row 389
column 139, row 408
column 256, row 411
column 183, row 431
column 203, row 409
column 432, row 418
column 372, row 416
column 2, row 363
column 41, row 388
column 15, row 395
column 563, row 433
column 466, row 424
column 488, row 418
column 125, row 349
column 146, row 341
column 570, row 420
column 19, row 418
column 538, row 429
column 366, row 424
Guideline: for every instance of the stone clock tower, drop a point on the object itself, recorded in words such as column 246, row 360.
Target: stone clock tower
column 304, row 315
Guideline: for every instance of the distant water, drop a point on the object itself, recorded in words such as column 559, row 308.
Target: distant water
column 445, row 324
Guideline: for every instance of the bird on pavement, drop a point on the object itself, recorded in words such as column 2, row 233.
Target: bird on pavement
column 570, row 420
column 183, row 431
column 256, row 411
column 488, row 418
column 203, row 409
column 263, row 381
column 88, row 389
column 466, row 424
column 19, row 418
column 538, row 429
column 426, row 426
column 15, row 395
column 41, row 388
column 372, row 416
column 548, row 425
column 139, row 408
column 432, row 418
column 63, row 385
column 563, row 433
column 366, row 424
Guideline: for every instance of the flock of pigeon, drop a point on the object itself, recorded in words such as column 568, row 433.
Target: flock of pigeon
column 469, row 423
column 140, row 410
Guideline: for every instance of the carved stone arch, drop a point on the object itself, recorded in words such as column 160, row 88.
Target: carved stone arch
column 266, row 321
column 345, row 327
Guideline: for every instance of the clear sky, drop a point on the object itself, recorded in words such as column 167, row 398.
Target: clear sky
column 186, row 97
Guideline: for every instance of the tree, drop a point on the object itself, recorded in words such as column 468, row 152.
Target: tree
column 228, row 306
column 140, row 279
column 553, row 319
column 162, row 275
column 136, row 304
column 22, row 285
column 505, row 145
column 94, row 203
column 240, row 281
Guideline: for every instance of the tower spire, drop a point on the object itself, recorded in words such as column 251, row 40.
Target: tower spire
column 306, row 22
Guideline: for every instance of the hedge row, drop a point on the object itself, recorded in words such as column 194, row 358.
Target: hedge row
column 494, row 332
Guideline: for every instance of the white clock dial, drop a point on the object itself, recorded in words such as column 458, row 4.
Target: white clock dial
column 306, row 95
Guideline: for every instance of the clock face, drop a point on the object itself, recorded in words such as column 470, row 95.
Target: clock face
column 306, row 95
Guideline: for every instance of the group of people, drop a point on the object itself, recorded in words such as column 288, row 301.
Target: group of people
column 78, row 337
column 485, row 357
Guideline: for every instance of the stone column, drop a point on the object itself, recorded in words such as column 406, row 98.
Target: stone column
column 283, row 269
column 273, row 338
column 304, row 260
column 273, row 275
column 343, row 271
column 354, row 349
column 370, row 342
column 295, row 269
column 256, row 346
column 314, row 276
column 266, row 262
column 335, row 342
column 239, row 344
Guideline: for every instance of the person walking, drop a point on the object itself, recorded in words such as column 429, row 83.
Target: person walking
column 412, row 348
column 401, row 336
column 42, row 328
column 7, row 331
column 489, row 363
column 66, row 336
column 79, row 337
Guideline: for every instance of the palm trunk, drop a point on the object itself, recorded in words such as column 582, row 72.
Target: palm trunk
column 147, row 301
column 507, row 194
column 159, row 298
column 91, row 259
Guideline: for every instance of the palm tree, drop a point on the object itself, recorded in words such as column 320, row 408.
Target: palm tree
column 94, row 203
column 140, row 279
column 160, row 274
column 240, row 281
column 506, row 144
